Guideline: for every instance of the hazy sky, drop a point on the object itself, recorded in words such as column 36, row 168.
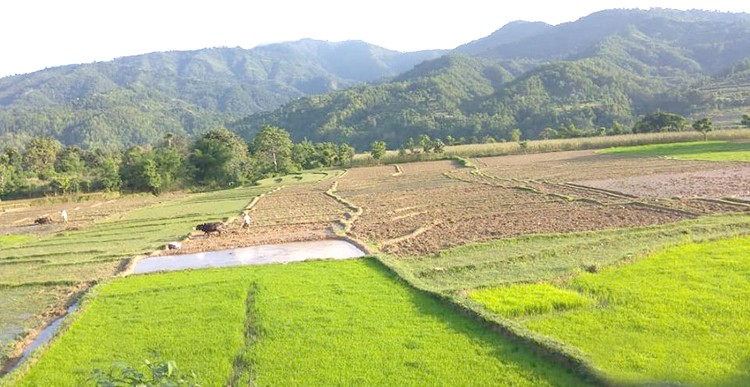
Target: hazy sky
column 44, row 33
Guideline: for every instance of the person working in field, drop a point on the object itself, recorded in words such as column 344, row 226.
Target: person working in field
column 245, row 221
column 64, row 215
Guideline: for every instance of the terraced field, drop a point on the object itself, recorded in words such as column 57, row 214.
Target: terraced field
column 549, row 258
column 431, row 206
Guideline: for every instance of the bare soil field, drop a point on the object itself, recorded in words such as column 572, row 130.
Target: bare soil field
column 729, row 182
column 431, row 206
column 587, row 165
column 293, row 213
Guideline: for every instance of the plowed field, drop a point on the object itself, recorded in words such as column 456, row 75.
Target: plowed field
column 291, row 214
column 430, row 206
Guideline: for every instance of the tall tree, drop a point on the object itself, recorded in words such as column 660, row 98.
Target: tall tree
column 704, row 125
column 272, row 148
column 661, row 122
column 377, row 150
column 346, row 154
column 40, row 156
column 220, row 158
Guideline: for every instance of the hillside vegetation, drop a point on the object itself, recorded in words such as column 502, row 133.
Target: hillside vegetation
column 602, row 71
column 597, row 75
column 135, row 100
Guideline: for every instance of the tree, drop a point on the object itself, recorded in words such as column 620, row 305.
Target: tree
column 304, row 155
column 449, row 140
column 69, row 161
column 745, row 120
column 346, row 153
column 327, row 153
column 377, row 150
column 425, row 143
column 704, row 125
column 139, row 171
column 12, row 177
column 220, row 158
column 109, row 176
column 548, row 133
column 170, row 165
column 272, row 148
column 410, row 144
column 438, row 146
column 40, row 156
column 515, row 135
column 660, row 122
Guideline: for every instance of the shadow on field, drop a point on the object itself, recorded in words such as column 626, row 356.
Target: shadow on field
column 740, row 377
column 508, row 352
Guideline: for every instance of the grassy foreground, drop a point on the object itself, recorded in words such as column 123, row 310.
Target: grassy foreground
column 706, row 151
column 315, row 323
column 39, row 275
column 680, row 315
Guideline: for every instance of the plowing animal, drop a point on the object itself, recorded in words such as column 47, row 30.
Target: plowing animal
column 208, row 228
column 43, row 220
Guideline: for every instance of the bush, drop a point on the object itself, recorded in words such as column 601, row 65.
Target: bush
column 160, row 373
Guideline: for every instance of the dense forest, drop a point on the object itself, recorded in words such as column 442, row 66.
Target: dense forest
column 600, row 74
column 217, row 158
column 136, row 100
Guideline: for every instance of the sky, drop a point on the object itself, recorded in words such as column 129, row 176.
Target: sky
column 37, row 34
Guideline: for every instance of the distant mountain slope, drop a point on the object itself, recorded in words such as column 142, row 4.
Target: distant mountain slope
column 602, row 70
column 431, row 98
column 231, row 81
column 510, row 33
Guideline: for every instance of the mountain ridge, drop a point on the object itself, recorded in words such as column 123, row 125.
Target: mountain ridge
column 603, row 69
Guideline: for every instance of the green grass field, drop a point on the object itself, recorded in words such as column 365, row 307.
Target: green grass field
column 706, row 151
column 29, row 265
column 680, row 315
column 314, row 323
column 528, row 299
column 555, row 145
column 537, row 258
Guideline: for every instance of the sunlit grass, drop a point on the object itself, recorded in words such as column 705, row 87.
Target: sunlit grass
column 528, row 299
column 681, row 315
column 316, row 323
column 11, row 240
column 707, row 151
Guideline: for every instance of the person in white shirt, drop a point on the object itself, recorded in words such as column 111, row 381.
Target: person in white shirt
column 246, row 220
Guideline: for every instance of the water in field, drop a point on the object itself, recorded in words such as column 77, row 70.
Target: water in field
column 42, row 338
column 256, row 255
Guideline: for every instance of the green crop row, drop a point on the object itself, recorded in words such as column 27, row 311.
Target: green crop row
column 313, row 323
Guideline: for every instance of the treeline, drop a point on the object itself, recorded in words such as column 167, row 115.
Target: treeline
column 216, row 159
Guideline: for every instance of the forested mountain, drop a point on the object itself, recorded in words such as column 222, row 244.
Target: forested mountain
column 604, row 70
column 134, row 100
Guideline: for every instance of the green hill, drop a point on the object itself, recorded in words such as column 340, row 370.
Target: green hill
column 132, row 100
column 604, row 70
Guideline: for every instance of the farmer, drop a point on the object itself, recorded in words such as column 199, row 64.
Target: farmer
column 245, row 220
column 64, row 215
